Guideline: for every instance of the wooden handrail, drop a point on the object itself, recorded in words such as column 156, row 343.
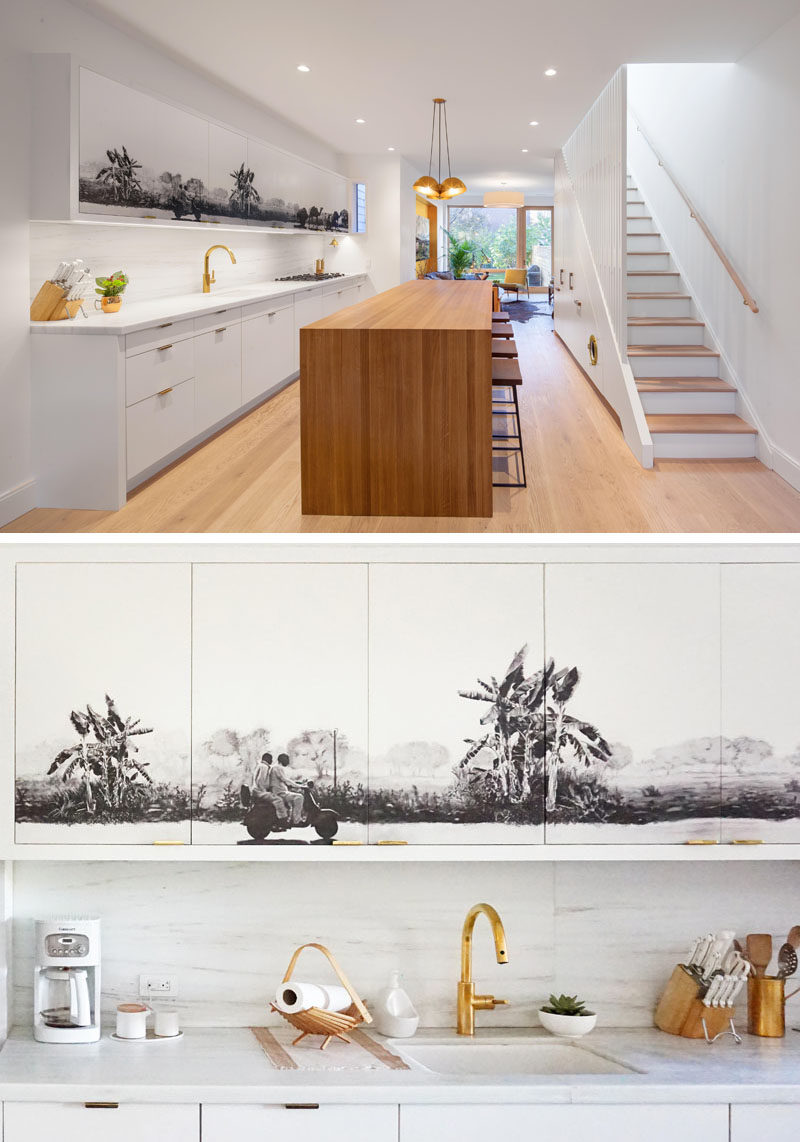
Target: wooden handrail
column 747, row 297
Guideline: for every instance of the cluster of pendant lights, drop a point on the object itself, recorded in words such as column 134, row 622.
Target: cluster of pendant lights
column 435, row 187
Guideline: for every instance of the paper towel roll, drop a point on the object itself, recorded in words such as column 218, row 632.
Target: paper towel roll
column 293, row 997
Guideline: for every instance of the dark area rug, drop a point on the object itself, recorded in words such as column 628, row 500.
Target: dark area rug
column 523, row 311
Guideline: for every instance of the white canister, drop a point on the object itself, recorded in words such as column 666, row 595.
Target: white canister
column 132, row 1020
column 167, row 1023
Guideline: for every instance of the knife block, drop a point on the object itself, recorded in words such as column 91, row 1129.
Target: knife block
column 680, row 1010
column 50, row 304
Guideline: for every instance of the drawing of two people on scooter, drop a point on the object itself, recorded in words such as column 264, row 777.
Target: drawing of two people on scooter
column 272, row 783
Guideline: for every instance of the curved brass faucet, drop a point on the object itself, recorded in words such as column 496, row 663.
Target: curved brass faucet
column 468, row 1001
column 209, row 279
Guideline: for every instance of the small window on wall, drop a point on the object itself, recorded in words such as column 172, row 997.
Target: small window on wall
column 359, row 208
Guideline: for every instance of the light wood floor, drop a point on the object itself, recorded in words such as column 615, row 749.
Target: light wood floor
column 581, row 476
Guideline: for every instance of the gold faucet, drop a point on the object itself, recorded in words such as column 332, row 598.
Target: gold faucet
column 209, row 279
column 468, row 1001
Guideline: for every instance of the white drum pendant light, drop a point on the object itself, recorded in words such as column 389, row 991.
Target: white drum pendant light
column 513, row 198
column 428, row 185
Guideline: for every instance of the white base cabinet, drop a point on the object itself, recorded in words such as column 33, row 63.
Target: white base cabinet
column 760, row 1123
column 267, row 348
column 87, row 1122
column 565, row 1123
column 300, row 1123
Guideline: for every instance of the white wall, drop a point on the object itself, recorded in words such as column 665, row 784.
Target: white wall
column 387, row 250
column 6, row 945
column 226, row 931
column 729, row 133
column 58, row 26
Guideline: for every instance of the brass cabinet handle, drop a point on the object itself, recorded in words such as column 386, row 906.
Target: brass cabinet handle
column 164, row 392
column 272, row 313
column 222, row 330
column 699, row 842
column 576, row 302
column 592, row 346
column 392, row 842
column 752, row 842
column 101, row 1105
column 166, row 325
column 163, row 348
column 301, row 1106
column 571, row 281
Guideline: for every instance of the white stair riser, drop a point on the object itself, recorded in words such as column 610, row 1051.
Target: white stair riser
column 659, row 306
column 704, row 446
column 665, row 334
column 690, row 402
column 640, row 223
column 675, row 366
column 637, row 210
column 649, row 262
column 641, row 283
column 639, row 243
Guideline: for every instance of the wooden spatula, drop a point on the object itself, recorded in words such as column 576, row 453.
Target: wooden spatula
column 794, row 936
column 759, row 952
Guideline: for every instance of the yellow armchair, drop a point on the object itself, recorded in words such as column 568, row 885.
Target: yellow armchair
column 514, row 282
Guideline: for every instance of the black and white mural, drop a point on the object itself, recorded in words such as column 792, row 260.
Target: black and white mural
column 103, row 693
column 280, row 703
column 143, row 157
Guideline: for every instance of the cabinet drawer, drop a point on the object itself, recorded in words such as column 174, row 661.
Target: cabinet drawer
column 151, row 338
column 267, row 307
column 158, row 425
column 303, row 1123
column 76, row 1122
column 148, row 373
column 218, row 319
column 756, row 1123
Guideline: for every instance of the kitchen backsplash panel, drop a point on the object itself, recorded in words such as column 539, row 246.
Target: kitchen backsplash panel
column 610, row 931
column 161, row 263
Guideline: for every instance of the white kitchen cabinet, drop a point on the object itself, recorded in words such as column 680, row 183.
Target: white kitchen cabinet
column 158, row 369
column 301, row 1123
column 157, row 426
column 566, row 1123
column 633, row 731
column 99, row 1122
column 336, row 297
column 218, row 374
column 267, row 348
column 451, row 759
column 760, row 723
column 757, row 1123
column 307, row 308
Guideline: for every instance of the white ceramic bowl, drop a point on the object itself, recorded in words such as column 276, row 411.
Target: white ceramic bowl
column 568, row 1026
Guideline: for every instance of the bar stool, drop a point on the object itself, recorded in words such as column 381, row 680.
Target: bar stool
column 504, row 347
column 501, row 315
column 502, row 329
column 506, row 376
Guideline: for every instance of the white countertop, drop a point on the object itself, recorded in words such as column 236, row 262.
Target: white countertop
column 135, row 315
column 226, row 1065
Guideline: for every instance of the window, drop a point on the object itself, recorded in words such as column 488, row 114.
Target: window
column 503, row 238
column 359, row 208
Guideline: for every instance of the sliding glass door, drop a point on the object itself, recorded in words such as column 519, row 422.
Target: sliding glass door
column 503, row 238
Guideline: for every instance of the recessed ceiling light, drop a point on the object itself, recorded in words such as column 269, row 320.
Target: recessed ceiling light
column 524, row 150
column 360, row 120
column 390, row 148
column 534, row 123
column 303, row 67
column 551, row 71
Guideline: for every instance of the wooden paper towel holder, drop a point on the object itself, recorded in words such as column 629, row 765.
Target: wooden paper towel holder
column 315, row 1021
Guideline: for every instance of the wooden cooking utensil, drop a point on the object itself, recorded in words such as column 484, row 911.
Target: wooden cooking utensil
column 787, row 961
column 794, row 937
column 759, row 952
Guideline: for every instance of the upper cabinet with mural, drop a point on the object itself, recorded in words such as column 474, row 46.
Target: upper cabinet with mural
column 271, row 704
column 103, row 148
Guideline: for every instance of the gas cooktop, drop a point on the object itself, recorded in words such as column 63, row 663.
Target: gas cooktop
column 309, row 277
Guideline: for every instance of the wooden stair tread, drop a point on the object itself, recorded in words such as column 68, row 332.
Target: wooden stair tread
column 671, row 351
column 683, row 385
column 693, row 321
column 710, row 422
column 506, row 372
column 662, row 295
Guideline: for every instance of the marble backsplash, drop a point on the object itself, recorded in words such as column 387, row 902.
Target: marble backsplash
column 610, row 931
column 161, row 262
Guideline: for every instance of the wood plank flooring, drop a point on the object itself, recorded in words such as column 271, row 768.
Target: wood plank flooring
column 581, row 476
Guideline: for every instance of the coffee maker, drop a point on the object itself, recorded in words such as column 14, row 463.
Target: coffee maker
column 66, row 981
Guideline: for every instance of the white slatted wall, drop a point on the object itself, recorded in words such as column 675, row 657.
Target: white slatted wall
column 596, row 158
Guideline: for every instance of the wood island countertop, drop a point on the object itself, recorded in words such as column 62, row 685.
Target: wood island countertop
column 396, row 404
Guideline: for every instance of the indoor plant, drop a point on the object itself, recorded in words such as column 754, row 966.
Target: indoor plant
column 567, row 1015
column 111, row 290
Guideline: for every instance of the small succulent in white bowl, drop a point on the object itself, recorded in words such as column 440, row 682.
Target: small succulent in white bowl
column 566, row 1015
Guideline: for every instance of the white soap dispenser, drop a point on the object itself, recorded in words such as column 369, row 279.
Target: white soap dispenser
column 393, row 1013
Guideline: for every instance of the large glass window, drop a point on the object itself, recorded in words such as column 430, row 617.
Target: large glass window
column 539, row 242
column 503, row 238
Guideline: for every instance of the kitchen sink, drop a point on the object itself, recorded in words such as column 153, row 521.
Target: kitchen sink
column 510, row 1057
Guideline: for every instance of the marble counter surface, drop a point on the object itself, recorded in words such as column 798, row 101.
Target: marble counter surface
column 226, row 1065
column 136, row 315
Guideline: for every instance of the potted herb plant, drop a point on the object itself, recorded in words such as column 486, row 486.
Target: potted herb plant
column 110, row 291
column 566, row 1015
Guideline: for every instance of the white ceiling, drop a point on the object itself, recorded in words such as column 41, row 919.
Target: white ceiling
column 384, row 61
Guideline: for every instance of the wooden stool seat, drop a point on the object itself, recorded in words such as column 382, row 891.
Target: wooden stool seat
column 506, row 371
column 504, row 347
column 501, row 315
column 502, row 330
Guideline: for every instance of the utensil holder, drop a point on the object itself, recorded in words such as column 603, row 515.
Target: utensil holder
column 315, row 1021
column 50, row 304
column 766, row 1007
column 681, row 1010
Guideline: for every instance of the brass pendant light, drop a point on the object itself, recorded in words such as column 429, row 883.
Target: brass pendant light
column 428, row 185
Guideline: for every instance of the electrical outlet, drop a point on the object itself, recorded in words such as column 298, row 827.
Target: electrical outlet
column 157, row 986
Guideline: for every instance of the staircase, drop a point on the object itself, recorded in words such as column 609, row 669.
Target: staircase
column 690, row 410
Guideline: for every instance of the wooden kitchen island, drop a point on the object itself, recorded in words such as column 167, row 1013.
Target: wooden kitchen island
column 396, row 404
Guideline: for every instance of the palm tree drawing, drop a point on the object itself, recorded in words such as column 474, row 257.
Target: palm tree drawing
column 529, row 722
column 120, row 175
column 244, row 193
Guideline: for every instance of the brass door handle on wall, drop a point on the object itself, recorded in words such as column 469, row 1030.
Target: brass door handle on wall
column 571, row 281
column 593, row 348
column 561, row 277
